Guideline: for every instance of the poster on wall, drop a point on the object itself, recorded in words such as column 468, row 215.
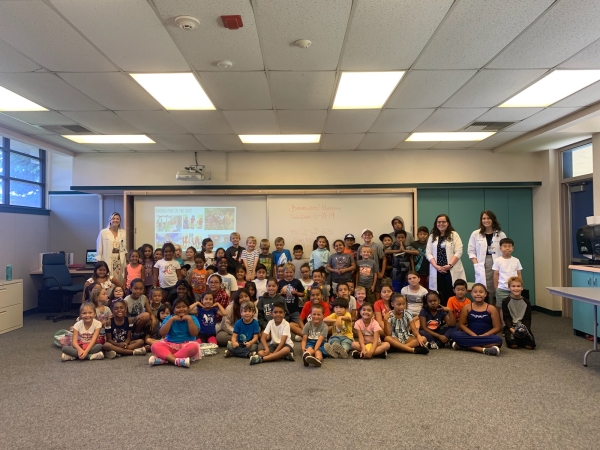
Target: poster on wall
column 189, row 225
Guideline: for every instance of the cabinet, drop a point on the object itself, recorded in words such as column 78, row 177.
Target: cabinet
column 583, row 312
column 11, row 305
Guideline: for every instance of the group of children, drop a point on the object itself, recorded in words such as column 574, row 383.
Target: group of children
column 334, row 304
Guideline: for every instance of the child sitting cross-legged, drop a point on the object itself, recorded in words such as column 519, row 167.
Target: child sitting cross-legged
column 368, row 330
column 244, row 339
column 400, row 329
column 278, row 332
column 437, row 322
column 314, row 335
column 341, row 338
column 118, row 334
column 206, row 311
column 517, row 317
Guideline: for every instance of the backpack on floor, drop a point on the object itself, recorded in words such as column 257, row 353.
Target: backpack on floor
column 62, row 338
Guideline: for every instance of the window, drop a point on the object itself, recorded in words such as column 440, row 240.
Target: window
column 577, row 161
column 22, row 174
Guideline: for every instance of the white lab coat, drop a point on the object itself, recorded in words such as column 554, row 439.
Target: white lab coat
column 453, row 248
column 104, row 246
column 478, row 249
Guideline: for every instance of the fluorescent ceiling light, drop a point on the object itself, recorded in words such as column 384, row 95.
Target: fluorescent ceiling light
column 109, row 138
column 280, row 138
column 365, row 90
column 452, row 136
column 9, row 101
column 552, row 88
column 175, row 91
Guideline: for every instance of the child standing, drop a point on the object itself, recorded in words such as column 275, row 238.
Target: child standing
column 318, row 280
column 417, row 250
column 198, row 276
column 118, row 335
column 206, row 311
column 320, row 253
column 414, row 294
column 244, row 339
column 400, row 261
column 250, row 258
column 281, row 255
column 458, row 302
column 314, row 335
column 504, row 267
column 292, row 291
column 179, row 345
column 177, row 255
column 190, row 256
column 265, row 258
column 517, row 316
column 387, row 263
column 86, row 331
column 437, row 322
column 376, row 251
column 367, row 273
column 305, row 279
column 158, row 255
column 209, row 254
column 400, row 329
column 228, row 282
column 167, row 271
column 278, row 332
column 479, row 325
column 266, row 302
column 340, row 265
column 148, row 263
column 234, row 253
column 298, row 260
column 368, row 331
column 240, row 277
column 340, row 342
column 261, row 280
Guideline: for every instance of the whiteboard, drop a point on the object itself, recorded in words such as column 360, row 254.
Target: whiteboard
column 300, row 219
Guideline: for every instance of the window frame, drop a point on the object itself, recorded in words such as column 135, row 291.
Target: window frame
column 561, row 153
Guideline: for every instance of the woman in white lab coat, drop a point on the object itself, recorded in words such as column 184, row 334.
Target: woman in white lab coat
column 444, row 249
column 484, row 248
column 112, row 247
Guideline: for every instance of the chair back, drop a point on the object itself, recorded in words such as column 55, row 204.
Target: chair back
column 54, row 265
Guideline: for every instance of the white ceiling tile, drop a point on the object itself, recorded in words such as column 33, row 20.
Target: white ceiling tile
column 147, row 147
column 390, row 34
column 588, row 58
column 67, row 144
column 492, row 87
column 301, row 147
column 381, row 141
column 156, row 122
column 584, row 97
column 128, row 32
column 20, row 126
column 114, row 90
column 508, row 114
column 37, row 31
column 178, row 142
column 542, row 118
column 497, row 139
column 282, row 23
column 220, row 141
column 48, row 90
column 301, row 122
column 351, row 120
column 12, row 60
column 415, row 145
column 346, row 141
column 450, row 119
column 396, row 120
column 475, row 31
column 110, row 148
column 237, row 90
column 428, row 88
column 42, row 117
column 252, row 122
column 263, row 147
column 202, row 122
column 301, row 90
column 456, row 145
column 565, row 29
column 104, row 122
column 211, row 41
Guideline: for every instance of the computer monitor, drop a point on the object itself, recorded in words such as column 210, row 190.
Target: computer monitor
column 91, row 256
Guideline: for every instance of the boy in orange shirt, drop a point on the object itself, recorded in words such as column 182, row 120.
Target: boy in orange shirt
column 198, row 276
column 458, row 302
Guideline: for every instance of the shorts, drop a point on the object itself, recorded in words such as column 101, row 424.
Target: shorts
column 294, row 317
column 403, row 341
column 273, row 347
column 501, row 294
column 311, row 344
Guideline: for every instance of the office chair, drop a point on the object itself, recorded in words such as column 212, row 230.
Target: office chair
column 58, row 289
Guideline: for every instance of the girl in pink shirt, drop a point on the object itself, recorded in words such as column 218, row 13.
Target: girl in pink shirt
column 368, row 330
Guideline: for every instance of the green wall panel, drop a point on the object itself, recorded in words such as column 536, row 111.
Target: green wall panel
column 520, row 230
column 430, row 203
column 496, row 200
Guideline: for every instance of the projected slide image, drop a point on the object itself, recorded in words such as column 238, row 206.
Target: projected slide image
column 191, row 222
column 220, row 219
column 168, row 223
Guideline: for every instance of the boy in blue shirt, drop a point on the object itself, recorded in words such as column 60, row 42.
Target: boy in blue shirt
column 281, row 255
column 244, row 339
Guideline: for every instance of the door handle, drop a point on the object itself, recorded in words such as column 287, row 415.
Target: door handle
column 595, row 281
column 589, row 281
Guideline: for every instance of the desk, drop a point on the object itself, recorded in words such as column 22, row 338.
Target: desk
column 36, row 276
column 582, row 294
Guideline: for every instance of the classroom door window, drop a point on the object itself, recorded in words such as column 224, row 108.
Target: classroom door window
column 577, row 161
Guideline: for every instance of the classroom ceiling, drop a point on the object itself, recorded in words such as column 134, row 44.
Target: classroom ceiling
column 463, row 58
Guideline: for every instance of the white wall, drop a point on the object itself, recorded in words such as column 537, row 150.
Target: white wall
column 22, row 239
column 60, row 171
column 310, row 168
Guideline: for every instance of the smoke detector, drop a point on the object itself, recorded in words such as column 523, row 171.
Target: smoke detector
column 303, row 43
column 225, row 64
column 187, row 22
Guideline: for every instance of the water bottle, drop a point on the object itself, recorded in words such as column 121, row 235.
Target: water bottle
column 9, row 273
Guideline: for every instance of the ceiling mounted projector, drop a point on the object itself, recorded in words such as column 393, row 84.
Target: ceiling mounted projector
column 192, row 173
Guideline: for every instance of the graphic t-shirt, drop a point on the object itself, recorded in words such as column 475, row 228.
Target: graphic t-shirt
column 435, row 322
column 420, row 260
column 198, row 280
column 136, row 306
column 314, row 332
column 414, row 299
column 267, row 261
column 245, row 331
column 86, row 334
column 167, row 272
column 147, row 272
column 368, row 331
column 208, row 320
column 119, row 332
column 366, row 272
column 291, row 301
column 340, row 261
column 282, row 257
column 228, row 283
column 345, row 329
column 102, row 315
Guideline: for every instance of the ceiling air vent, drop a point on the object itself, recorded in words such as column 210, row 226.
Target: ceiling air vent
column 67, row 129
column 488, row 126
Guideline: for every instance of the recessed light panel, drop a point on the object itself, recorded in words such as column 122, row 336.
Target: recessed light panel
column 552, row 88
column 365, row 90
column 280, row 138
column 9, row 101
column 109, row 138
column 175, row 91
column 451, row 136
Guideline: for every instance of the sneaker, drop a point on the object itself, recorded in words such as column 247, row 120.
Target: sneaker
column 111, row 354
column 139, row 351
column 449, row 343
column 433, row 346
column 98, row 355
column 65, row 357
column 455, row 346
column 156, row 361
column 289, row 357
column 355, row 354
column 382, row 355
column 227, row 353
column 182, row 362
column 251, row 354
column 341, row 351
column 330, row 350
column 420, row 350
column 256, row 359
column 492, row 351
column 304, row 356
column 313, row 361
column 298, row 338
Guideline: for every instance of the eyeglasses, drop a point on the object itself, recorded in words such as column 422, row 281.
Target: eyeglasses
column 442, row 221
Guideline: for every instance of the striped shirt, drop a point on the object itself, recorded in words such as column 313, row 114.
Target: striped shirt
column 250, row 256
column 400, row 327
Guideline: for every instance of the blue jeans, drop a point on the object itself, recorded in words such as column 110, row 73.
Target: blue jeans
column 242, row 351
column 311, row 344
column 344, row 341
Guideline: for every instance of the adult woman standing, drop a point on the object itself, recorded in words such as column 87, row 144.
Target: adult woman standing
column 484, row 248
column 444, row 249
column 112, row 247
